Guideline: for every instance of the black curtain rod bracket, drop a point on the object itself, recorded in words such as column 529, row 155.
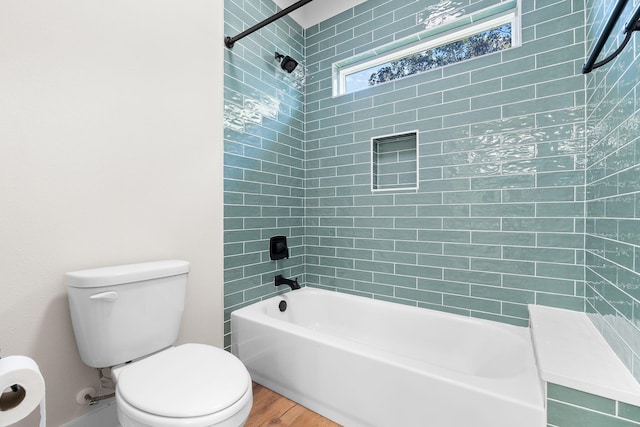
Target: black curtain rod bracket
column 632, row 26
column 230, row 41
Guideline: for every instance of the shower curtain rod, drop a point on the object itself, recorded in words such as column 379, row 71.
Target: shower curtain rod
column 229, row 41
column 632, row 25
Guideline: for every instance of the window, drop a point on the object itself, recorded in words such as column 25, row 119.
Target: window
column 484, row 32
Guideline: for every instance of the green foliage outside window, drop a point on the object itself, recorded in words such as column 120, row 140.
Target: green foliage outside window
column 483, row 43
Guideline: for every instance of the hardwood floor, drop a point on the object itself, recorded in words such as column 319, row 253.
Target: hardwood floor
column 271, row 409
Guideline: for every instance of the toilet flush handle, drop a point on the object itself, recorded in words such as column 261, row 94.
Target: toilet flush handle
column 105, row 296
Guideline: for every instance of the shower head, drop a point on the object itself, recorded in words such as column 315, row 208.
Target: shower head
column 286, row 62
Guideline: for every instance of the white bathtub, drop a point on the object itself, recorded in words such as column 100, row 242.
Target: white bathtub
column 363, row 362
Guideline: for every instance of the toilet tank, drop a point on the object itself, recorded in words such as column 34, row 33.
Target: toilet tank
column 125, row 312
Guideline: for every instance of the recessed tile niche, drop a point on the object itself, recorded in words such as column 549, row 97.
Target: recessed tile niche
column 394, row 162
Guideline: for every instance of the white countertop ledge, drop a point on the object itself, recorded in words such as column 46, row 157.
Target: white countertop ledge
column 571, row 352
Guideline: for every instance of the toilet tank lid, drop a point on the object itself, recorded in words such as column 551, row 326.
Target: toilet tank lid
column 119, row 274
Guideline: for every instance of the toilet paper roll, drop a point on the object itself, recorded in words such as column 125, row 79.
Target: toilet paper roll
column 21, row 389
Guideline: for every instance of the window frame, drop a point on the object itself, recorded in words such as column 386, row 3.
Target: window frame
column 463, row 27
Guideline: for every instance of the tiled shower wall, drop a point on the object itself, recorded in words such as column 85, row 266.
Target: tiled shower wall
column 613, row 190
column 498, row 220
column 572, row 408
column 264, row 157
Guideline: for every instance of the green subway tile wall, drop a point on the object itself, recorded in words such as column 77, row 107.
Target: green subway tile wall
column 498, row 220
column 613, row 191
column 264, row 154
column 528, row 172
column 572, row 408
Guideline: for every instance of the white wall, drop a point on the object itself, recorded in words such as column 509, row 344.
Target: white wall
column 110, row 153
column 317, row 11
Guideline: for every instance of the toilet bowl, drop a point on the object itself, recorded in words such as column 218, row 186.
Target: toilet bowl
column 191, row 385
column 128, row 317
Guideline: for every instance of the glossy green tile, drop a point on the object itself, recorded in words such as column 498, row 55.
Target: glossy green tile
column 466, row 276
column 503, row 210
column 443, row 211
column 506, row 96
column 515, row 181
column 395, row 280
column 539, row 195
column 500, row 69
column 471, row 303
column 516, row 310
column 418, row 271
column 575, row 303
column 419, row 295
column 444, row 236
column 571, row 209
column 560, row 271
column 629, row 412
column 561, row 240
column 419, row 247
column 418, row 223
column 565, row 256
column 474, row 250
column 488, row 196
column 526, row 268
column 563, row 415
column 504, row 238
column 581, row 399
column 541, row 284
column 374, row 288
column 471, row 224
column 538, row 224
column 444, row 261
column 503, row 294
column 443, row 286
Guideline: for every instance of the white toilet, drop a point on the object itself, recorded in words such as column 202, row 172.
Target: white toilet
column 127, row 317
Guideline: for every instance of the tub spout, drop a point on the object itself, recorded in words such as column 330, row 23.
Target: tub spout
column 293, row 284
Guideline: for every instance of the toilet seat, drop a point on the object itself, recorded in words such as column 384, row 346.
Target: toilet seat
column 193, row 385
